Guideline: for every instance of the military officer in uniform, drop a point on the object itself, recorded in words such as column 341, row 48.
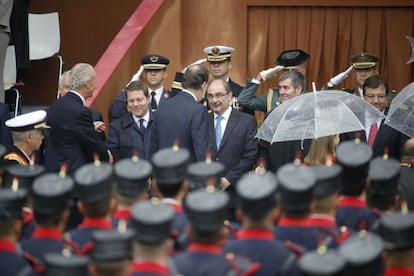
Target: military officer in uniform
column 11, row 262
column 396, row 231
column 289, row 60
column 297, row 183
column 154, row 68
column 326, row 198
column 51, row 194
column 27, row 136
column 131, row 185
column 353, row 213
column 169, row 179
column 152, row 244
column 111, row 253
column 362, row 252
column 365, row 65
column 96, row 202
column 258, row 208
column 219, row 60
column 206, row 210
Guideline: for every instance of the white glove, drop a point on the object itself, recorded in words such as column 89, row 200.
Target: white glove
column 137, row 74
column 202, row 60
column 340, row 77
column 270, row 73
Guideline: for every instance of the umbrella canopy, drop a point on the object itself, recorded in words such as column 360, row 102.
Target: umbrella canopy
column 318, row 114
column 401, row 113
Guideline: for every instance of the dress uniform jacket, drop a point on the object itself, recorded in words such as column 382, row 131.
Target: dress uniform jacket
column 203, row 259
column 46, row 240
column 260, row 246
column 327, row 225
column 11, row 262
column 73, row 138
column 81, row 236
column 122, row 215
column 179, row 225
column 248, row 99
column 236, row 89
column 119, row 106
column 16, row 156
column 238, row 147
column 181, row 117
column 125, row 136
column 299, row 231
column 354, row 214
column 28, row 224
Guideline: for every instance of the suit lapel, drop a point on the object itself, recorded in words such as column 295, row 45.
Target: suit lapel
column 229, row 127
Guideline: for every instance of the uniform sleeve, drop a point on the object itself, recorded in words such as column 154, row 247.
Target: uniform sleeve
column 248, row 99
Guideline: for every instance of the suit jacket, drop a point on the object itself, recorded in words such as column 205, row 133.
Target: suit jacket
column 119, row 106
column 125, row 136
column 97, row 116
column 181, row 117
column 72, row 135
column 238, row 148
column 5, row 133
column 386, row 137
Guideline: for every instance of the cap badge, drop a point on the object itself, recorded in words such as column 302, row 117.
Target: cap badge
column 154, row 58
column 215, row 51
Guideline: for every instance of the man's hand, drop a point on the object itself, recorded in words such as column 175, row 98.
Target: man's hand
column 270, row 73
column 99, row 126
column 340, row 77
column 224, row 183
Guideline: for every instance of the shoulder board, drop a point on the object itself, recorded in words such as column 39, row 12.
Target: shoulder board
column 87, row 248
column 72, row 247
column 337, row 238
column 242, row 265
column 12, row 156
column 376, row 212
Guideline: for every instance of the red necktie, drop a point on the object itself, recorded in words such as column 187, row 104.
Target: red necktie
column 372, row 133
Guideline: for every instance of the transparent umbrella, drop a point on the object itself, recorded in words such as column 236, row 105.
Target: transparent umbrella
column 401, row 113
column 318, row 114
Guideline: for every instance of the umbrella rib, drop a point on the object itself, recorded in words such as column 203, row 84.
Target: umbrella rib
column 282, row 118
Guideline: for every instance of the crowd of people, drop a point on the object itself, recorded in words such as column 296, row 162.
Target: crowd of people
column 178, row 184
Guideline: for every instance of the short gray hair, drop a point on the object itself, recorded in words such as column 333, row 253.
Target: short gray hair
column 80, row 74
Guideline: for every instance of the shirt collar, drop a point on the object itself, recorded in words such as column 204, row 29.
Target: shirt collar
column 191, row 93
column 225, row 115
column 145, row 117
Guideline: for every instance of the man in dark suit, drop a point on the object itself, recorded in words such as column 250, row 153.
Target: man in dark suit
column 133, row 130
column 379, row 135
column 154, row 68
column 231, row 136
column 219, row 60
column 73, row 138
column 183, row 118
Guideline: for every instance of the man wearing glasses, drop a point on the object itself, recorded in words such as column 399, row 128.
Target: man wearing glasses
column 231, row 138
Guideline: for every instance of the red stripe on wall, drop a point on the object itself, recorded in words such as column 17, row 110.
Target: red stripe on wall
column 120, row 45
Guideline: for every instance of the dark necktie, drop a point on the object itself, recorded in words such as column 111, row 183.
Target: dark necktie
column 153, row 101
column 142, row 128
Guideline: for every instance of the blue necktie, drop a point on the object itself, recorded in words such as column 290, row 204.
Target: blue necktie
column 218, row 130
column 142, row 128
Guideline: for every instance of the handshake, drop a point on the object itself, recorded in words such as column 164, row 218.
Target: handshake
column 270, row 73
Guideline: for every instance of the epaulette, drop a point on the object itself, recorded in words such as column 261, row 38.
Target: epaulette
column 295, row 248
column 231, row 229
column 87, row 248
column 337, row 238
column 73, row 246
column 33, row 262
column 27, row 215
column 242, row 265
column 13, row 156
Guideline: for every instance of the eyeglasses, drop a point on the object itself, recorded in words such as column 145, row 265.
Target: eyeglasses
column 372, row 96
column 217, row 96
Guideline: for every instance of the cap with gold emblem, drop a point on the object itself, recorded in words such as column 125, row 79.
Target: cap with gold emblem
column 218, row 53
column 364, row 60
column 154, row 62
column 28, row 121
